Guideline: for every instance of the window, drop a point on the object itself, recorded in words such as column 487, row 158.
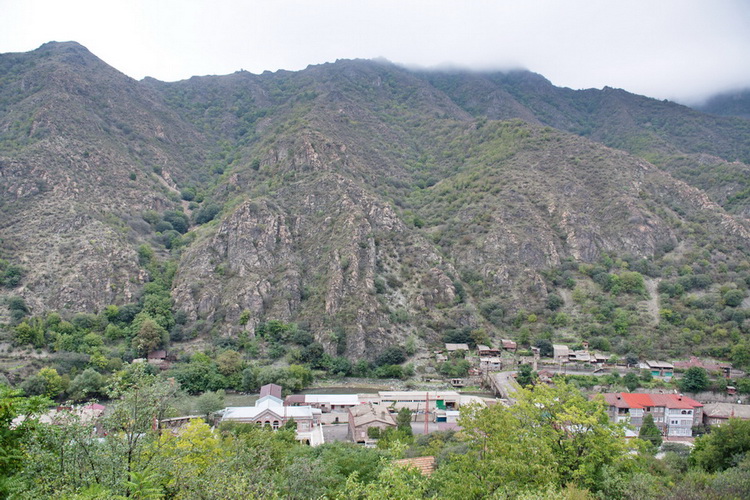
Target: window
column 275, row 425
column 675, row 422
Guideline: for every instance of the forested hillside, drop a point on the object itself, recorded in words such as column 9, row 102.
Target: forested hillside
column 367, row 206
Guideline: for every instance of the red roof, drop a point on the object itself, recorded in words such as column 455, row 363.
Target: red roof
column 641, row 400
column 693, row 362
column 675, row 401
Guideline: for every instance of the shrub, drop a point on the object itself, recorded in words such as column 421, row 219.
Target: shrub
column 178, row 220
column 207, row 213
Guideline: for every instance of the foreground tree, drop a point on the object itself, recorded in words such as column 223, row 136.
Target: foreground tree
column 724, row 447
column 68, row 456
column 649, row 431
column 14, row 407
column 553, row 436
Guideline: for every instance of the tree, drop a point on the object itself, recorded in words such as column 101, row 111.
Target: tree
column 403, row 421
column 554, row 302
column 393, row 355
column 149, row 337
column 229, row 362
column 649, row 431
column 12, row 438
column 694, row 380
column 209, row 402
column 207, row 213
column 86, row 384
column 142, row 400
column 631, row 381
column 741, row 354
column 178, row 220
column 723, row 446
column 552, row 436
column 526, row 375
column 545, row 348
column 53, row 382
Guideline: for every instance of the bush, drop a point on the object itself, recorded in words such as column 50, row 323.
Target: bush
column 10, row 274
column 163, row 226
column 207, row 213
column 179, row 220
column 734, row 298
column 389, row 371
column 394, row 355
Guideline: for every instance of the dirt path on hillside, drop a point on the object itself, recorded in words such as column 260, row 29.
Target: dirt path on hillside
column 166, row 184
column 653, row 298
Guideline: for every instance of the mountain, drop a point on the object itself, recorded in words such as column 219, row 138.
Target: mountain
column 735, row 103
column 371, row 204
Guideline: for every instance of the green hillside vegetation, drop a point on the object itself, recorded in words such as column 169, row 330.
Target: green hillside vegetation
column 554, row 443
column 365, row 205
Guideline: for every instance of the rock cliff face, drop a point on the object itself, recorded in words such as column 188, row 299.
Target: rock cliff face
column 80, row 142
column 356, row 198
column 313, row 252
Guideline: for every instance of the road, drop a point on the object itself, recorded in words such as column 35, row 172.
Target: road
column 504, row 384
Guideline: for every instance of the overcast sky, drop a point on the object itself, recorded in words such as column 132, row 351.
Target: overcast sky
column 673, row 49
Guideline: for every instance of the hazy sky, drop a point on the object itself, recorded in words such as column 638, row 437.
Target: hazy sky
column 676, row 49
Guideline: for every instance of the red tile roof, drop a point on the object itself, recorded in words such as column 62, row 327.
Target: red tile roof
column 425, row 465
column 675, row 401
column 641, row 400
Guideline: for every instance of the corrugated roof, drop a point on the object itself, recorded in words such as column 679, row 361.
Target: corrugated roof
column 727, row 410
column 334, row 399
column 457, row 347
column 659, row 364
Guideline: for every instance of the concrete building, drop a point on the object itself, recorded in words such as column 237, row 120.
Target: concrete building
column 269, row 410
column 675, row 415
column 327, row 403
column 416, row 401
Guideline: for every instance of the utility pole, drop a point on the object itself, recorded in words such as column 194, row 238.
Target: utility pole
column 426, row 412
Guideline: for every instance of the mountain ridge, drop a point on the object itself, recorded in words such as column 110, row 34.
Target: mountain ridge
column 355, row 196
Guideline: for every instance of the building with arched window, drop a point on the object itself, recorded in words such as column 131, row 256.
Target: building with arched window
column 270, row 411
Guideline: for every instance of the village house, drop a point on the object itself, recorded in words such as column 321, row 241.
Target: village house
column 580, row 357
column 659, row 369
column 490, row 364
column 720, row 413
column 560, row 353
column 709, row 366
column 449, row 348
column 508, row 345
column 364, row 416
column 269, row 410
column 675, row 415
column 483, row 350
